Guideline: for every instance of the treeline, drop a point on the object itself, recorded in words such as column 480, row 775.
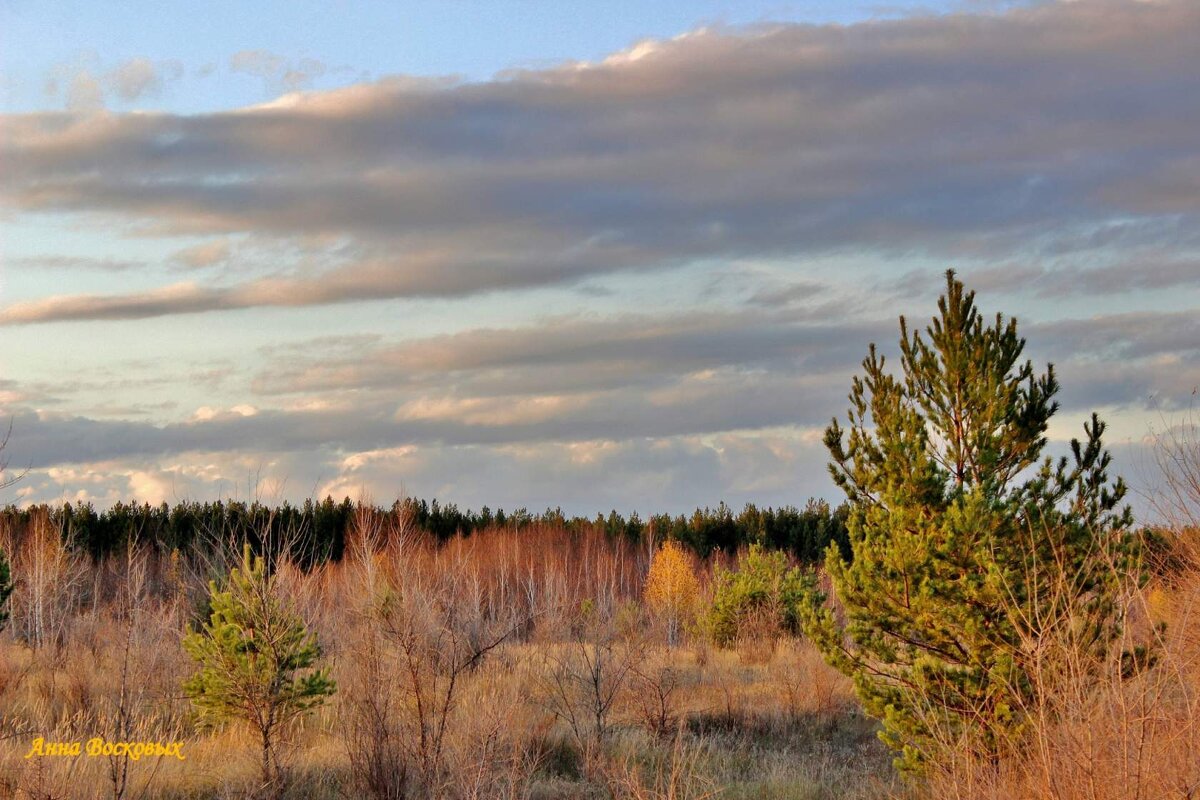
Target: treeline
column 317, row 530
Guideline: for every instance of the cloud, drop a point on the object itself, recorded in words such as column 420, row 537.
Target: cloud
column 204, row 255
column 84, row 92
column 279, row 74
column 560, row 380
column 618, row 379
column 417, row 274
column 680, row 409
column 568, row 355
column 150, row 488
column 753, row 194
column 1135, row 360
column 723, row 401
column 176, row 298
column 88, row 263
column 141, row 77
column 1127, row 336
column 86, row 85
column 673, row 474
column 1133, row 272
column 961, row 136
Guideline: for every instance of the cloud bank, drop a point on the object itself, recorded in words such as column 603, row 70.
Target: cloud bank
column 1049, row 151
column 957, row 136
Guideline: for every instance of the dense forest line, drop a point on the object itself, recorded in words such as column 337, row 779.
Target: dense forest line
column 315, row 531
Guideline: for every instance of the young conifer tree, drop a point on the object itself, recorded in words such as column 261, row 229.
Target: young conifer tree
column 969, row 548
column 256, row 662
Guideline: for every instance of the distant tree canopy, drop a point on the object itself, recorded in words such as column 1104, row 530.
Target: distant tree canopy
column 316, row 530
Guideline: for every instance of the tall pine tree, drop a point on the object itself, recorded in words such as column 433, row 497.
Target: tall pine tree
column 969, row 548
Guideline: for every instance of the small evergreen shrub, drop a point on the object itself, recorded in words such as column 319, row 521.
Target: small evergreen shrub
column 758, row 598
column 256, row 662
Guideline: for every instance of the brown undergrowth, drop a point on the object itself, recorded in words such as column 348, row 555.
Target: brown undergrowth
column 507, row 664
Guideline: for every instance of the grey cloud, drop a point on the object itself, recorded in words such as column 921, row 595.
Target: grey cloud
column 572, row 355
column 135, row 78
column 955, row 136
column 724, row 403
column 141, row 77
column 84, row 92
column 204, row 255
column 86, row 84
column 1123, row 336
column 419, row 274
column 683, row 375
column 1142, row 359
column 175, row 299
column 1152, row 272
column 1135, row 360
column 672, row 474
column 1160, row 386
column 1155, row 354
column 277, row 72
column 1156, row 271
column 74, row 263
column 774, row 297
column 113, row 381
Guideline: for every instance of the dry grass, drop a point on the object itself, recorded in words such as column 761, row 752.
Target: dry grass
column 1128, row 728
column 509, row 664
column 518, row 664
column 1122, row 734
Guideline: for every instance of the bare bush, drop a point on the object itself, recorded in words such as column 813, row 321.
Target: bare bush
column 656, row 691
column 1175, row 450
column 421, row 644
column 808, row 684
column 582, row 679
column 758, row 634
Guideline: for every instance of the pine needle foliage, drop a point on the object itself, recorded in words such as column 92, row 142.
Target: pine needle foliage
column 761, row 589
column 969, row 548
column 257, row 661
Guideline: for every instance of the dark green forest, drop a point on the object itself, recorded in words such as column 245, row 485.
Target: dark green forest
column 317, row 530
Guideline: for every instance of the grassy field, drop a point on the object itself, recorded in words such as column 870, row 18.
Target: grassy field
column 581, row 696
column 94, row 650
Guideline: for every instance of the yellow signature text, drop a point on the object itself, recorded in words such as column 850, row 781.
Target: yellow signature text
column 97, row 746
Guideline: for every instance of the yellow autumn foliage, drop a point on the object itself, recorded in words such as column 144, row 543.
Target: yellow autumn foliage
column 672, row 588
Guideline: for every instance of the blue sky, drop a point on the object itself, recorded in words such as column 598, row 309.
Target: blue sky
column 606, row 256
column 353, row 40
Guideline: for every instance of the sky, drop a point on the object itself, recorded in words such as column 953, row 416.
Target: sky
column 591, row 256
